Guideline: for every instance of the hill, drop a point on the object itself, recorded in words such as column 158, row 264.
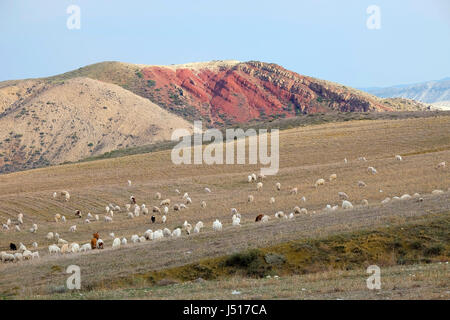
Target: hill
column 50, row 123
column 230, row 92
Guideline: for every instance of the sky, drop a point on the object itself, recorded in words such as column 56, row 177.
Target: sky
column 327, row 39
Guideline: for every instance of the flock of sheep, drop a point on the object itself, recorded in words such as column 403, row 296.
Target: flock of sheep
column 61, row 246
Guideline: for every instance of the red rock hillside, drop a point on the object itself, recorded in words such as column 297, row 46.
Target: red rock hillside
column 240, row 92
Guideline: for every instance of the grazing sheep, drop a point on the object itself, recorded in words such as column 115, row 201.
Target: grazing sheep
column 365, row 202
column 236, row 221
column 405, row 197
column 250, row 198
column 158, row 234
column 158, row 196
column 261, row 177
column 89, row 215
column 65, row 248
column 5, row 257
column 78, row 214
column 203, row 204
column 294, row 191
column 133, row 199
column 217, row 225
column 148, row 235
column 49, row 236
column 137, row 210
column 166, row 210
column 85, row 247
column 57, row 217
column 53, row 249
column 398, row 157
column 12, row 246
column 176, row 233
column 185, row 196
column 62, row 241
column 303, row 199
column 319, row 182
column 303, row 211
column 165, row 202
column 291, row 215
column 259, row 186
column 55, row 195
column 167, row 232
column 372, row 170
column 135, row 238
column 163, row 219
column 187, row 227
column 100, row 244
column 345, row 160
column 97, row 218
column 333, row 177
column 94, row 243
column 386, row 200
column 87, row 221
column 34, row 245
column 153, row 219
column 441, row 165
column 253, row 177
column 272, row 200
column 67, row 196
column 208, row 190
column 278, row 186
column 124, row 241
column 280, row 215
column 156, row 209
column 347, row 205
column 74, row 247
column 188, row 200
column 145, row 211
column 249, row 179
column 5, row 227
column 437, row 192
column 108, row 219
column 416, row 195
column 265, row 219
column 35, row 255
column 362, row 159
column 17, row 228
column 8, row 222
column 296, row 209
column 27, row 255
column 128, row 206
column 107, row 209
column 198, row 227
column 116, row 243
column 234, row 211
column 343, row 196
column 361, row 184
column 130, row 215
column 177, row 191
column 56, row 236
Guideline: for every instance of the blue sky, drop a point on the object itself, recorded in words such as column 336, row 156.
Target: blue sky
column 327, row 39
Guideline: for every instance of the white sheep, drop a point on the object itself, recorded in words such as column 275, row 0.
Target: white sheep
column 272, row 200
column 259, row 186
column 280, row 215
column 129, row 183
column 17, row 228
column 18, row 256
column 167, row 232
column 437, row 191
column 124, row 241
column 249, row 179
column 165, row 202
column 62, row 242
column 158, row 196
column 8, row 222
column 250, row 198
column 398, row 157
column 405, row 197
column 53, row 249
column 347, row 204
column 74, row 247
column 343, row 195
column 203, row 204
column 217, row 225
column 100, row 244
column 134, row 238
column 333, row 177
column 128, row 206
column 253, row 177
column 441, row 165
column 5, row 227
column 73, row 228
column 148, row 235
column 294, row 190
column 158, row 234
column 372, row 170
column 35, row 255
column 265, row 219
column 87, row 221
column 365, row 202
column 361, row 184
column 97, row 218
column 108, row 219
column 291, row 215
column 303, row 199
column 85, row 247
column 236, row 221
column 116, row 243
column 208, row 190
column 278, row 186
column 166, row 210
column 188, row 200
column 22, row 247
column 319, row 182
column 234, row 211
column 386, row 200
column 176, row 233
column 164, row 219
column 34, row 244
column 63, row 219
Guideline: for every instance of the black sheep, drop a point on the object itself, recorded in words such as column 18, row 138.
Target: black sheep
column 153, row 219
column 12, row 246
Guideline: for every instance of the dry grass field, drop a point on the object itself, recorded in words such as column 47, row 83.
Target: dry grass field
column 306, row 154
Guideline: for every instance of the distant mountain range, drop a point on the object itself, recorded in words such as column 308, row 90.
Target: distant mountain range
column 432, row 92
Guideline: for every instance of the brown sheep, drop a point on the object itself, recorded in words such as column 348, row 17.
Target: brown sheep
column 93, row 243
column 258, row 218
